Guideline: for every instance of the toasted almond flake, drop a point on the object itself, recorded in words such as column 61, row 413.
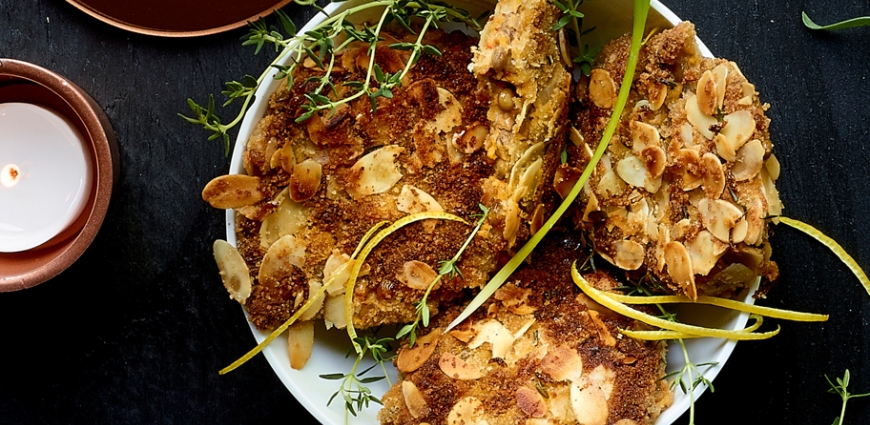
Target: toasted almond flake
column 772, row 166
column 563, row 363
column 313, row 293
column 233, row 270
column 750, row 159
column 464, row 335
column 576, row 138
column 698, row 119
column 290, row 218
column 284, row 158
column 564, row 179
column 632, row 170
column 528, row 182
column 658, row 92
column 416, row 275
column 233, row 191
column 739, row 128
column 603, row 332
column 300, row 343
column 738, row 233
column 412, row 359
column 654, row 160
column 713, row 175
column 305, row 181
column 457, row 368
column 589, row 404
column 689, row 163
column 706, row 96
column 629, row 254
column 333, row 312
column 495, row 333
column 465, row 412
column 705, row 251
column 511, row 220
column 414, row 400
column 337, row 270
column 680, row 267
column 450, row 116
column 531, row 402
column 282, row 256
column 376, row 172
column 602, row 88
column 719, row 217
column 724, row 148
column 610, row 185
column 720, row 77
column 643, row 135
column 472, row 139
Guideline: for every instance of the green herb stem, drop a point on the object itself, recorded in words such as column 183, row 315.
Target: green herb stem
column 862, row 21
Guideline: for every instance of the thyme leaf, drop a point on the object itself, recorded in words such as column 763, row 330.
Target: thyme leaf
column 840, row 388
column 862, row 21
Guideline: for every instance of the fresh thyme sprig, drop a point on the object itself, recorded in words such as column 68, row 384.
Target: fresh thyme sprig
column 689, row 378
column 354, row 390
column 447, row 268
column 861, row 21
column 321, row 44
column 571, row 15
column 840, row 388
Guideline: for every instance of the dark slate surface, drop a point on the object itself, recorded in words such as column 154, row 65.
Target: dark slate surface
column 135, row 331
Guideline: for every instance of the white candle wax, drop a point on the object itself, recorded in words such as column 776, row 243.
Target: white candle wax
column 45, row 175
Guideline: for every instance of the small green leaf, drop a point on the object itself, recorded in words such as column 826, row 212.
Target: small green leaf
column 862, row 21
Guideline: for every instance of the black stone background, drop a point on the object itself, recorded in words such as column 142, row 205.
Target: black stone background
column 135, row 331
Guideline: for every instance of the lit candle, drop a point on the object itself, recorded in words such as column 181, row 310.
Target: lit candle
column 45, row 175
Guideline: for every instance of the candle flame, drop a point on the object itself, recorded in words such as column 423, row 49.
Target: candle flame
column 10, row 175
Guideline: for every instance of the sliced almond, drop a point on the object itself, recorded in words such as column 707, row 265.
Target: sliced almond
column 632, row 170
column 724, row 148
column 713, row 175
column 233, row 269
column 643, row 135
column 603, row 332
column 680, row 267
column 416, row 275
column 333, row 312
column 336, row 270
column 602, row 88
column 290, row 218
column 412, row 359
column 300, row 343
column 282, row 256
column 472, row 139
column 739, row 128
column 702, row 122
column 589, row 404
column 629, row 254
column 305, row 181
column 750, row 159
column 654, row 160
column 457, row 368
column 706, row 96
column 531, row 402
column 719, row 217
column 465, row 412
column 414, row 400
column 562, row 363
column 495, row 333
column 738, row 233
column 376, row 172
column 233, row 191
column 658, row 92
column 720, row 77
column 688, row 162
column 705, row 251
column 284, row 158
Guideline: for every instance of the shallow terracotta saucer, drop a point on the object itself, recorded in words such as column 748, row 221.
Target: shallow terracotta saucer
column 28, row 83
column 178, row 18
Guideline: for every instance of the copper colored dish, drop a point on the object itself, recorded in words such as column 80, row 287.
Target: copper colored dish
column 178, row 18
column 28, row 83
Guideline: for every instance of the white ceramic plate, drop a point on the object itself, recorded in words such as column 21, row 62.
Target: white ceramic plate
column 611, row 18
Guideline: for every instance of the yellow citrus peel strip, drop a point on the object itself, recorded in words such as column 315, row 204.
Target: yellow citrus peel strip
column 669, row 335
column 832, row 245
column 721, row 302
column 280, row 329
column 700, row 331
column 364, row 253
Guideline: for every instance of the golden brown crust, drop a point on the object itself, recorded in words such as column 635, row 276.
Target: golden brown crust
column 684, row 189
column 519, row 356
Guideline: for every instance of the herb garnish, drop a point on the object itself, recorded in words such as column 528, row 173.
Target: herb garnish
column 840, row 389
column 448, row 267
column 321, row 44
column 570, row 15
column 353, row 390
